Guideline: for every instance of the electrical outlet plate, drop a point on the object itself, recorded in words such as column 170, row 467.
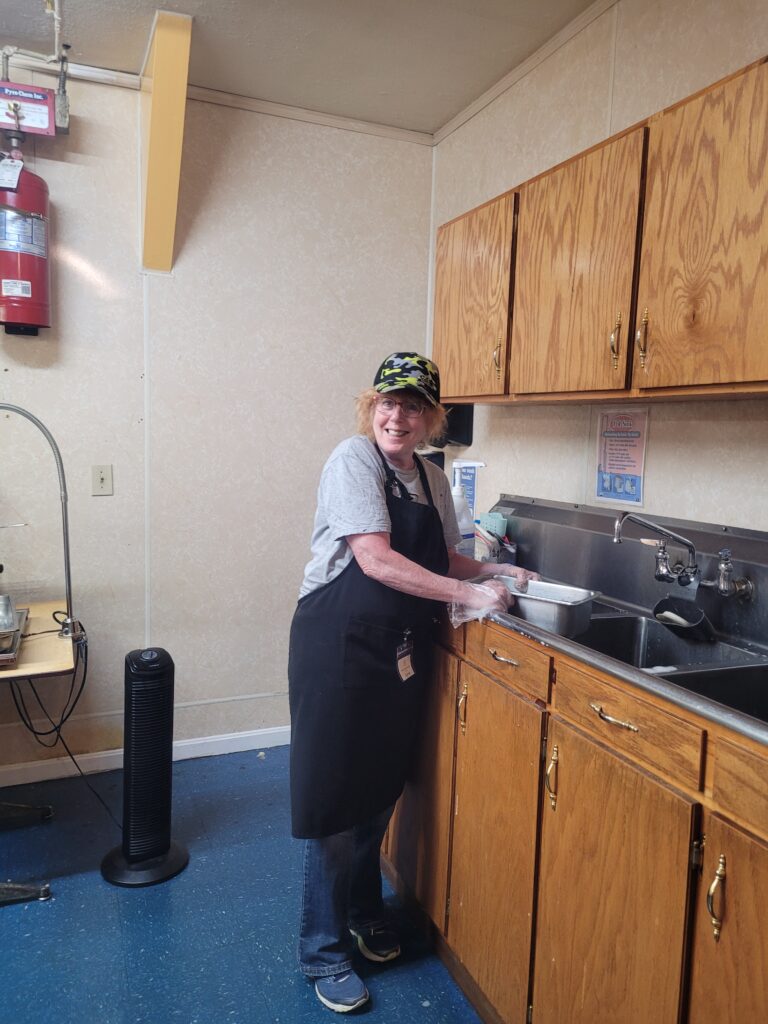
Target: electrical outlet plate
column 101, row 480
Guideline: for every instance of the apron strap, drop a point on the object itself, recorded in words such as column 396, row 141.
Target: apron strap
column 392, row 480
column 423, row 474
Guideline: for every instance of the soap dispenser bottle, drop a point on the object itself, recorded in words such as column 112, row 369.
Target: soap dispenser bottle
column 466, row 523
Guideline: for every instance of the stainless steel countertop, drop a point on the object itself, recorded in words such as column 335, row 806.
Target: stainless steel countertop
column 745, row 725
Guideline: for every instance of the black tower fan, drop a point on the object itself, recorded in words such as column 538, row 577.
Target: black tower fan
column 147, row 854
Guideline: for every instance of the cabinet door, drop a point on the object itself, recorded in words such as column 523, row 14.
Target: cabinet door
column 472, row 270
column 419, row 833
column 703, row 270
column 613, row 889
column 729, row 974
column 498, row 767
column 577, row 231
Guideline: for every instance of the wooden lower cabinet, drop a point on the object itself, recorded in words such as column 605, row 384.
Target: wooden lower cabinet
column 565, row 883
column 729, row 974
column 419, row 833
column 498, row 767
column 613, row 891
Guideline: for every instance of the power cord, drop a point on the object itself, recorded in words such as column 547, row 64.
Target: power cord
column 41, row 735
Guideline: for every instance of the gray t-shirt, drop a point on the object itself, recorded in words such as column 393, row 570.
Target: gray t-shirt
column 351, row 499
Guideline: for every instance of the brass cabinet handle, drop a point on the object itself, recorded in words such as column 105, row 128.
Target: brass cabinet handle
column 641, row 338
column 717, row 922
column 500, row 657
column 461, row 707
column 614, row 341
column 597, row 708
column 496, row 362
column 550, row 778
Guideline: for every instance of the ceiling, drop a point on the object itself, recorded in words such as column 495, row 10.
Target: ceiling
column 412, row 64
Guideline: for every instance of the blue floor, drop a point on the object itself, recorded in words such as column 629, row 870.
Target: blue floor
column 215, row 945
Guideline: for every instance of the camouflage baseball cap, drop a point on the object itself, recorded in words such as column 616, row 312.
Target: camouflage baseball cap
column 409, row 370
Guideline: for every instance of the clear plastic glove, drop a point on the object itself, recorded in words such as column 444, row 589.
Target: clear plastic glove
column 479, row 600
column 504, row 569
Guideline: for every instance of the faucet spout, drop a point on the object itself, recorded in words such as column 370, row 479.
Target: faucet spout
column 684, row 574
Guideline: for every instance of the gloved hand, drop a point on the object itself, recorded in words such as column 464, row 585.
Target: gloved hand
column 489, row 596
column 504, row 569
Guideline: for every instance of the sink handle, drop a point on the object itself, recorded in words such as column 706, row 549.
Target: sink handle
column 597, row 708
column 717, row 922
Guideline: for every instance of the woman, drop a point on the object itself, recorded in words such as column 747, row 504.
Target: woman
column 383, row 559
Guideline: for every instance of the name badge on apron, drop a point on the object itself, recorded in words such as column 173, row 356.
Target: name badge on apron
column 404, row 657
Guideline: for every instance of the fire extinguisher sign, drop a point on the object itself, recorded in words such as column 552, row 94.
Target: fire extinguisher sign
column 28, row 107
column 21, row 231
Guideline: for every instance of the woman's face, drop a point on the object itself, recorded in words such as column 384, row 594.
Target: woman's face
column 397, row 428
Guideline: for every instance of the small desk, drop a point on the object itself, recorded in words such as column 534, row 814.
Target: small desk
column 46, row 654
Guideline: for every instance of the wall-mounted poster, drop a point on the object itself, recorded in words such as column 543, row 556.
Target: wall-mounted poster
column 621, row 438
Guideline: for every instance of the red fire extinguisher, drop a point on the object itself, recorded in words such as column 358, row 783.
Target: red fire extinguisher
column 24, row 265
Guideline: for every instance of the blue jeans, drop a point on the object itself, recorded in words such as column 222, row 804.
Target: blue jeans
column 342, row 890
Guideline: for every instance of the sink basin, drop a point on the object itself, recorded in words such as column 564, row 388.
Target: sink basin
column 739, row 687
column 648, row 644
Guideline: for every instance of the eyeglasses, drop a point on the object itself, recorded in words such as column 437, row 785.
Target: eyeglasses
column 409, row 408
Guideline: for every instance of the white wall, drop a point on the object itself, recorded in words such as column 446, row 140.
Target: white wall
column 704, row 459
column 216, row 392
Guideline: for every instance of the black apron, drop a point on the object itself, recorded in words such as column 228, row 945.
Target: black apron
column 354, row 718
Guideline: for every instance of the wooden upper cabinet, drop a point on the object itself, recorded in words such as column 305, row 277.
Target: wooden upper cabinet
column 472, row 272
column 704, row 263
column 577, row 235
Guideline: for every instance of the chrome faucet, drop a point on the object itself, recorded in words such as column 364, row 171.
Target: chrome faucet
column 684, row 574
column 688, row 574
column 726, row 585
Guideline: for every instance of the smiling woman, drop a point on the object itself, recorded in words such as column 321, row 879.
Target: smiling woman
column 378, row 419
column 383, row 557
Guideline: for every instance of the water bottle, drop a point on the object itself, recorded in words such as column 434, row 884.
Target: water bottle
column 466, row 523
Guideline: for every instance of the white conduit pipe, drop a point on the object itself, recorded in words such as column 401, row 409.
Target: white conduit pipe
column 52, row 7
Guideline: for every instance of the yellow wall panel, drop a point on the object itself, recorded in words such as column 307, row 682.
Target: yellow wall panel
column 163, row 105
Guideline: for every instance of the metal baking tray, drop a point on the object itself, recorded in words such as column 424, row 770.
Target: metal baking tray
column 553, row 606
column 11, row 642
column 7, row 615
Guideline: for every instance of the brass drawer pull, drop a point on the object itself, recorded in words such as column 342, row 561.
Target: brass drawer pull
column 496, row 363
column 717, row 922
column 597, row 708
column 499, row 657
column 614, row 341
column 462, row 708
column 641, row 339
column 550, row 779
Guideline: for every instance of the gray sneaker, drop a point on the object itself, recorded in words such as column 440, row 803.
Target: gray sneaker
column 341, row 992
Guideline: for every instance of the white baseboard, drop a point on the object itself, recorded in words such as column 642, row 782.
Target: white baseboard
column 108, row 760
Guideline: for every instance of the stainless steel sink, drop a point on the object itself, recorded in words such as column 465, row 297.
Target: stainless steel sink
column 739, row 687
column 732, row 676
column 650, row 645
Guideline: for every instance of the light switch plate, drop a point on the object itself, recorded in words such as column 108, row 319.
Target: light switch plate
column 101, row 480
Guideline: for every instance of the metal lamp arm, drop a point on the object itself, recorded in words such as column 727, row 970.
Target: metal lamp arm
column 70, row 628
